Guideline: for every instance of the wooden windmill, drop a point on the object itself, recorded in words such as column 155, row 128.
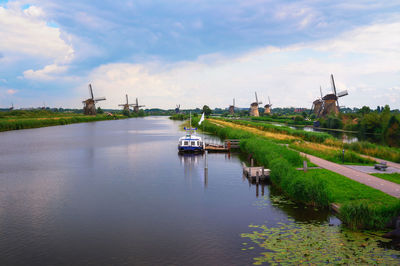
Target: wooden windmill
column 318, row 105
column 232, row 108
column 127, row 105
column 137, row 106
column 12, row 107
column 267, row 107
column 331, row 101
column 89, row 105
column 177, row 109
column 254, row 107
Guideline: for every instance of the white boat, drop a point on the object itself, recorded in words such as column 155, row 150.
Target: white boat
column 191, row 142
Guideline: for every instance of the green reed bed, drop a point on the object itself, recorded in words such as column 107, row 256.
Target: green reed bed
column 395, row 177
column 25, row 123
column 281, row 120
column 318, row 137
column 333, row 155
column 180, row 117
column 375, row 150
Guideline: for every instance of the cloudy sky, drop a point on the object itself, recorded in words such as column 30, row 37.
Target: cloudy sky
column 196, row 52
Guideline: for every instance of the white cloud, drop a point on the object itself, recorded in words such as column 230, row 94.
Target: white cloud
column 364, row 61
column 25, row 33
column 49, row 72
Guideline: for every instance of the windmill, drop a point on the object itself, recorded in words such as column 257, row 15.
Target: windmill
column 317, row 105
column 254, row 107
column 267, row 107
column 12, row 107
column 232, row 108
column 177, row 109
column 89, row 105
column 126, row 105
column 137, row 106
column 331, row 101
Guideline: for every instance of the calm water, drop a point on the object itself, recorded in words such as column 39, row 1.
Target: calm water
column 117, row 192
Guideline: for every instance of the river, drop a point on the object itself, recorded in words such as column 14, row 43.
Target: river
column 118, row 193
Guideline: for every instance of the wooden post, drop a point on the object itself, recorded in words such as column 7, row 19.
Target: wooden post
column 252, row 162
column 206, row 161
column 305, row 166
column 257, row 177
column 263, row 175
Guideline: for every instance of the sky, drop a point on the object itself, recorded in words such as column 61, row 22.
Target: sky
column 193, row 52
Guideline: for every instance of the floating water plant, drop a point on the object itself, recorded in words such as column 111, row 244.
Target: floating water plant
column 302, row 243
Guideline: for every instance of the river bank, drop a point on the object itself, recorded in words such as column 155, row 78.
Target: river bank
column 16, row 120
column 360, row 206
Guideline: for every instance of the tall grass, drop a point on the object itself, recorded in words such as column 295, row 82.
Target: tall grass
column 25, row 123
column 318, row 137
column 375, row 150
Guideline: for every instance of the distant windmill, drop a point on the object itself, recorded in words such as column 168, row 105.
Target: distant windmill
column 267, row 107
column 318, row 105
column 137, row 106
column 254, row 107
column 331, row 101
column 127, row 105
column 232, row 108
column 12, row 107
column 89, row 105
column 177, row 109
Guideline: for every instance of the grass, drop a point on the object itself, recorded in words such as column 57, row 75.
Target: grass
column 330, row 153
column 361, row 206
column 395, row 177
column 16, row 120
column 179, row 117
column 375, row 150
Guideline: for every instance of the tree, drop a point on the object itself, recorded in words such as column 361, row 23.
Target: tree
column 364, row 110
column 99, row 110
column 206, row 110
column 392, row 132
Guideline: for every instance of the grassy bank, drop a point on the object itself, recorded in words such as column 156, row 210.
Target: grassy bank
column 361, row 206
column 395, row 177
column 329, row 152
column 180, row 117
column 34, row 119
column 362, row 147
column 284, row 120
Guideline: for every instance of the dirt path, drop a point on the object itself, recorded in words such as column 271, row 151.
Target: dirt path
column 385, row 186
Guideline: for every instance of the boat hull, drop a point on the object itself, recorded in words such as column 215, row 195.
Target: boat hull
column 190, row 149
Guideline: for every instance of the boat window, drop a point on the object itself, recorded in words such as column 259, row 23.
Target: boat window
column 186, row 143
column 193, row 143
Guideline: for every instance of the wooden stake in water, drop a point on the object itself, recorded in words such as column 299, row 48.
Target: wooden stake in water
column 206, row 160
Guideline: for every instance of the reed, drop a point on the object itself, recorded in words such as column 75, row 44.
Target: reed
column 25, row 123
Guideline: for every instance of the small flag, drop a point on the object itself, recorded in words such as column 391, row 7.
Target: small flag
column 201, row 119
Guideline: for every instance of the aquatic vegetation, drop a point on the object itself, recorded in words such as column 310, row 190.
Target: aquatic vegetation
column 306, row 243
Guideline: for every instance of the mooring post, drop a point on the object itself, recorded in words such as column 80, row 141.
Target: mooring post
column 305, row 166
column 262, row 169
column 257, row 177
column 252, row 162
column 206, row 161
column 343, row 156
